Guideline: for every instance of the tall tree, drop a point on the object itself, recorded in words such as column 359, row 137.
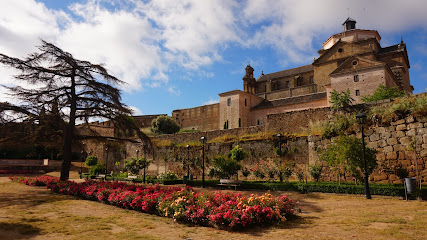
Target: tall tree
column 71, row 89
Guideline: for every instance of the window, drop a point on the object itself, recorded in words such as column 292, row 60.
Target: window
column 299, row 81
column 287, row 84
column 357, row 93
column 229, row 102
column 340, row 50
column 311, row 79
column 257, row 122
column 354, row 62
column 356, row 78
column 246, row 102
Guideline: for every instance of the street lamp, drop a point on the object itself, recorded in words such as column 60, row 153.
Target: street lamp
column 137, row 153
column 279, row 137
column 203, row 139
column 145, row 162
column 361, row 119
column 188, row 162
column 106, row 162
column 81, row 165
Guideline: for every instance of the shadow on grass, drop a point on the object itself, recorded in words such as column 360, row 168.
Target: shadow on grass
column 21, row 228
column 29, row 196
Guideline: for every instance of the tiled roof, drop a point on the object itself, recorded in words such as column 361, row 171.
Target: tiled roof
column 291, row 100
column 285, row 73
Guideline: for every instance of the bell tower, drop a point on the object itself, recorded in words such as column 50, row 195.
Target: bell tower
column 349, row 24
column 249, row 80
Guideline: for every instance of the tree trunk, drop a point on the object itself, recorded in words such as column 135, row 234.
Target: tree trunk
column 69, row 132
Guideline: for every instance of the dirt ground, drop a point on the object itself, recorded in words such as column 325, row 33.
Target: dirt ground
column 36, row 213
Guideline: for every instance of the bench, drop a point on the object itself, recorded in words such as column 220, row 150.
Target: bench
column 131, row 178
column 101, row 176
column 229, row 183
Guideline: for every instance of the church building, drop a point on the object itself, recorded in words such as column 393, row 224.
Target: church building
column 351, row 60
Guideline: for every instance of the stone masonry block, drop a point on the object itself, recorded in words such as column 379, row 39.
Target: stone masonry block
column 392, row 141
column 410, row 119
column 385, row 135
column 380, row 130
column 411, row 132
column 391, row 156
column 401, row 127
column 388, row 149
column 423, row 153
column 382, row 143
column 398, row 122
column 372, row 145
column 405, row 140
column 401, row 155
column 374, row 137
column 415, row 125
column 399, row 147
column 425, row 138
column 391, row 129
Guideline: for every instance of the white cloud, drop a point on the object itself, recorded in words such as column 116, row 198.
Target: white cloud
column 211, row 101
column 173, row 90
column 135, row 111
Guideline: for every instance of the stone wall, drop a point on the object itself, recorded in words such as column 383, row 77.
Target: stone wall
column 294, row 122
column 403, row 143
column 202, row 118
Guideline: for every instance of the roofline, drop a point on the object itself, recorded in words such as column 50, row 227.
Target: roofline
column 285, row 75
column 279, row 99
column 349, row 31
column 230, row 92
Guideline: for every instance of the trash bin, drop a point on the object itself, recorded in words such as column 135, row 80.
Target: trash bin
column 411, row 185
column 184, row 179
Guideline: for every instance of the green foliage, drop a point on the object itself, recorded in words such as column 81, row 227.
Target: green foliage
column 167, row 176
column 98, row 168
column 91, row 161
column 338, row 125
column 340, row 100
column 134, row 165
column 164, row 125
column 224, row 167
column 237, row 153
column 316, row 171
column 383, row 92
column 246, row 172
column 345, row 155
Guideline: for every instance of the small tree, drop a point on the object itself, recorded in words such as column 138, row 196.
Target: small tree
column 164, row 125
column 383, row 92
column 341, row 100
column 316, row 171
column 228, row 166
column 345, row 154
column 91, row 161
column 134, row 165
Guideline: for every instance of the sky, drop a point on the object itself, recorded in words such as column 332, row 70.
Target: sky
column 176, row 54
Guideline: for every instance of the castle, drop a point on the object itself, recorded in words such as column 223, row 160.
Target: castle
column 351, row 60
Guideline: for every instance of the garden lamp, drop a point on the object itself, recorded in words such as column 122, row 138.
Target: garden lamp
column 361, row 119
column 203, row 139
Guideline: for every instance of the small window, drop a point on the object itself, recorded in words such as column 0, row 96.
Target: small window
column 311, row 79
column 354, row 62
column 287, row 84
column 340, row 50
column 229, row 102
column 299, row 81
column 356, row 78
column 357, row 93
column 246, row 102
column 257, row 122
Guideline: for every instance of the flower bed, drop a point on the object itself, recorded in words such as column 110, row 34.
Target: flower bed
column 216, row 209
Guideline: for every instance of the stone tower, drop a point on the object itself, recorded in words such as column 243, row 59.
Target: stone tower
column 249, row 80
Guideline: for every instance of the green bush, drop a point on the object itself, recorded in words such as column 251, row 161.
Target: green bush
column 91, row 161
column 341, row 100
column 167, row 176
column 164, row 125
column 97, row 169
column 383, row 92
column 134, row 165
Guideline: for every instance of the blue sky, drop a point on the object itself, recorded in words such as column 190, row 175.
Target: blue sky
column 181, row 54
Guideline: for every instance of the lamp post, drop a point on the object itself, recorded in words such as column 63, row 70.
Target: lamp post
column 203, row 139
column 145, row 161
column 137, row 153
column 279, row 137
column 361, row 119
column 106, row 160
column 188, row 162
column 81, row 165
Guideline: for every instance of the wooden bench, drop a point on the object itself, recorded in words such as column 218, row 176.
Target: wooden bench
column 229, row 183
column 131, row 178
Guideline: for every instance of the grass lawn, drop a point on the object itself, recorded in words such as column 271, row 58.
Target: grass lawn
column 36, row 213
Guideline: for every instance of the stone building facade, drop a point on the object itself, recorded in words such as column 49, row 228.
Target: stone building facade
column 351, row 60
